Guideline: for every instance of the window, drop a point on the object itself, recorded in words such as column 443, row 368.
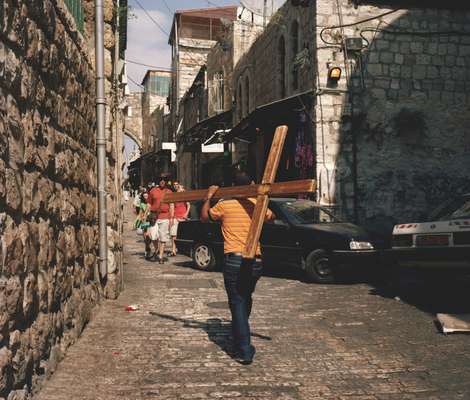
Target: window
column 281, row 67
column 294, row 52
column 76, row 9
column 247, row 96
column 159, row 85
column 218, row 92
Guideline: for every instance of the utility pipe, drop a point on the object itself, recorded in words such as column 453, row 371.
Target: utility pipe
column 117, row 133
column 101, row 138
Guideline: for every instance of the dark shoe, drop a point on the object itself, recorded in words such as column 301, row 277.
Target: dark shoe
column 154, row 257
column 161, row 260
column 247, row 358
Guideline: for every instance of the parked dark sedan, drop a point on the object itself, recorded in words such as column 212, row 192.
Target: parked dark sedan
column 304, row 235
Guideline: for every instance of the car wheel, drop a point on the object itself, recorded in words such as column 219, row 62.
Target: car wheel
column 203, row 257
column 318, row 267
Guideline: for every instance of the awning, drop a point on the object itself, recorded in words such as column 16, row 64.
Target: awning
column 205, row 129
column 274, row 113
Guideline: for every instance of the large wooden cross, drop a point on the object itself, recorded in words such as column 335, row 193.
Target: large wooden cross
column 262, row 192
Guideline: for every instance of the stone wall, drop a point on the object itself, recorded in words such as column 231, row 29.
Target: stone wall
column 261, row 63
column 406, row 113
column 224, row 56
column 48, row 216
column 133, row 120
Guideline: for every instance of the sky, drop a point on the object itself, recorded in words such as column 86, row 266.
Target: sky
column 146, row 42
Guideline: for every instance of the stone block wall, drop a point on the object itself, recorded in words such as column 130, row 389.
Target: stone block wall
column 261, row 63
column 225, row 55
column 133, row 122
column 407, row 109
column 48, row 216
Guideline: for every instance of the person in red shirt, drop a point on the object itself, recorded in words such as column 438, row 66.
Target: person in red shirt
column 181, row 213
column 160, row 232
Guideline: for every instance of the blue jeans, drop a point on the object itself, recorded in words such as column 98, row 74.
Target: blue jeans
column 240, row 278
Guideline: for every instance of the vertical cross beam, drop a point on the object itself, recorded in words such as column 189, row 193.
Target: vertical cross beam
column 262, row 200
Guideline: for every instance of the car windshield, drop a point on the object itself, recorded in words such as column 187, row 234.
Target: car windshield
column 307, row 212
column 457, row 209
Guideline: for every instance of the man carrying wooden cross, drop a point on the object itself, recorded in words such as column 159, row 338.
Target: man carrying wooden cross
column 240, row 274
column 242, row 221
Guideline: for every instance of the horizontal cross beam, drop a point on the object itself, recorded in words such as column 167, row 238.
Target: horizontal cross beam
column 278, row 189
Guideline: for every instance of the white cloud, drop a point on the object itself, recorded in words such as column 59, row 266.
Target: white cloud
column 146, row 43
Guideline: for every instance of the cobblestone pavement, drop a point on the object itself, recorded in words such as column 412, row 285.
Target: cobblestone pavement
column 349, row 341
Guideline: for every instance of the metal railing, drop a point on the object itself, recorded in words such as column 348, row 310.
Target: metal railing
column 76, row 9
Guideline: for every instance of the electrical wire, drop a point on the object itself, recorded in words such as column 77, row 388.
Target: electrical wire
column 148, row 65
column 133, row 81
column 167, row 7
column 328, row 28
column 151, row 18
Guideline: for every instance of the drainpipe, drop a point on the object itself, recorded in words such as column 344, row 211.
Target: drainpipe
column 117, row 133
column 101, row 137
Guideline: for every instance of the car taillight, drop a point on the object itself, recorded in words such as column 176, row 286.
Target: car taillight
column 461, row 238
column 402, row 240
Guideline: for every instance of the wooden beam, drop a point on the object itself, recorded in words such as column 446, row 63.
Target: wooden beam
column 278, row 189
column 256, row 226
column 262, row 201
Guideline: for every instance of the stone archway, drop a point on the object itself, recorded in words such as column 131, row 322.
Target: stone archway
column 137, row 139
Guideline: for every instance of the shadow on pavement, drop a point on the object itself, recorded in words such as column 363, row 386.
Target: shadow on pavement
column 430, row 291
column 219, row 331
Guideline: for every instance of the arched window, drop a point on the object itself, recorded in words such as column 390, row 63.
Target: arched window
column 239, row 101
column 247, row 96
column 218, row 92
column 294, row 51
column 281, row 66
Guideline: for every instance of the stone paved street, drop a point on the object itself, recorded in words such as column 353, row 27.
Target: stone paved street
column 347, row 341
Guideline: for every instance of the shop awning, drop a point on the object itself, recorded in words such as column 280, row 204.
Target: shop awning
column 274, row 113
column 205, row 129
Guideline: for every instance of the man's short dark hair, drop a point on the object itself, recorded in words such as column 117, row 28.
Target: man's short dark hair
column 241, row 178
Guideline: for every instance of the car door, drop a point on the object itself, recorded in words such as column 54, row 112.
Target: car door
column 279, row 242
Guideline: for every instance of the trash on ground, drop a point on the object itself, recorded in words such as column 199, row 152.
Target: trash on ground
column 132, row 307
column 451, row 323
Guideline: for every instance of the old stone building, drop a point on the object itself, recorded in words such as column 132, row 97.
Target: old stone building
column 49, row 282
column 387, row 141
column 133, row 118
column 206, row 107
column 194, row 32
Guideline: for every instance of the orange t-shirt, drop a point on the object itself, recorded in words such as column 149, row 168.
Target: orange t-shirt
column 235, row 216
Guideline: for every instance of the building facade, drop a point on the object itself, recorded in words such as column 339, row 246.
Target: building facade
column 387, row 141
column 205, row 110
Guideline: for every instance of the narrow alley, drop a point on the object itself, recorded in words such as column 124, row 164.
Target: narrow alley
column 313, row 342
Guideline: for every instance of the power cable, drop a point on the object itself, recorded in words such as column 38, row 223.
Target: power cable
column 133, row 81
column 167, row 7
column 148, row 65
column 328, row 28
column 151, row 18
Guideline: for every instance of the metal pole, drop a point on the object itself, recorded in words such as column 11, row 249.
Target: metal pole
column 117, row 133
column 101, row 137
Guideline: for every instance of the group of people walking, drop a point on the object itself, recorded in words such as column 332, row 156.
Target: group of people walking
column 158, row 221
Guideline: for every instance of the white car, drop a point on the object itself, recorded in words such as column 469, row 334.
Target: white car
column 443, row 242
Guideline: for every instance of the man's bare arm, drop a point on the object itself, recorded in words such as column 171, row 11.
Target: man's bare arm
column 207, row 204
